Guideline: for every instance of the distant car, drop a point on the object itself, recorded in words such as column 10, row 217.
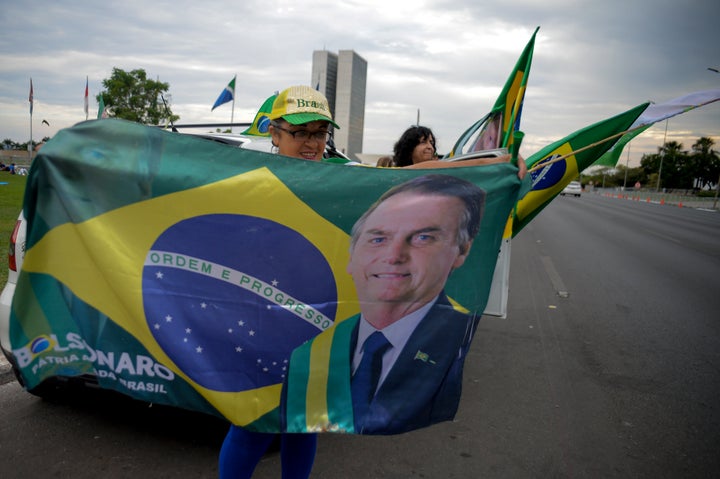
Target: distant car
column 17, row 253
column 573, row 188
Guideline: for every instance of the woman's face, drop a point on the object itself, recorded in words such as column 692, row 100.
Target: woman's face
column 424, row 151
column 306, row 141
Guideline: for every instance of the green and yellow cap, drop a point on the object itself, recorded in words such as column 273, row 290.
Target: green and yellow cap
column 301, row 104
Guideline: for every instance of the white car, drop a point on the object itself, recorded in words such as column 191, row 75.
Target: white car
column 17, row 253
column 573, row 188
column 263, row 143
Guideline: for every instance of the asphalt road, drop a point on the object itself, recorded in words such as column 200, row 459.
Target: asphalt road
column 6, row 374
column 606, row 366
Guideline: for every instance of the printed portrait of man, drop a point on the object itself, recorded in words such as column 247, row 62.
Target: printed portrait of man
column 396, row 366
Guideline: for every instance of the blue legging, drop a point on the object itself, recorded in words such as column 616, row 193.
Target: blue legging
column 242, row 450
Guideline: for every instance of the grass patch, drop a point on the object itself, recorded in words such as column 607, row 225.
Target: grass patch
column 11, row 199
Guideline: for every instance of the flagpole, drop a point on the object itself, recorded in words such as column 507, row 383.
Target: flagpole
column 85, row 104
column 32, row 99
column 664, row 149
column 539, row 165
column 627, row 165
column 232, row 112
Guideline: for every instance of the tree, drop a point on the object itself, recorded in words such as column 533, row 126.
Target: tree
column 8, row 144
column 706, row 162
column 682, row 172
column 131, row 96
column 629, row 176
column 676, row 170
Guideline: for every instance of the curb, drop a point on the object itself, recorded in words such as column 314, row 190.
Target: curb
column 701, row 204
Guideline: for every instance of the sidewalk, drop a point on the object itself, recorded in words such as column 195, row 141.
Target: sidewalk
column 682, row 201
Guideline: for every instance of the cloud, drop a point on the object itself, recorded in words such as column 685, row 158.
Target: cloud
column 447, row 59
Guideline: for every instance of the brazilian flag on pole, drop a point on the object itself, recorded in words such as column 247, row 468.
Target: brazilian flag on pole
column 510, row 102
column 495, row 130
column 182, row 271
column 559, row 163
column 658, row 112
column 261, row 122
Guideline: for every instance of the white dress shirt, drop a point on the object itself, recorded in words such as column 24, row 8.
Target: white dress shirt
column 397, row 335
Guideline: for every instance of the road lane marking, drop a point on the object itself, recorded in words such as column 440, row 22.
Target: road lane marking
column 555, row 278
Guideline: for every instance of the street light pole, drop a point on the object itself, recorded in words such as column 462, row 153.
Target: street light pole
column 717, row 189
column 627, row 165
column 662, row 156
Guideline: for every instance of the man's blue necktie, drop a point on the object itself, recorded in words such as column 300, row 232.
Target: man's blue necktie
column 365, row 379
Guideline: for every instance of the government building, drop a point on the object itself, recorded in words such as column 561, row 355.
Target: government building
column 342, row 78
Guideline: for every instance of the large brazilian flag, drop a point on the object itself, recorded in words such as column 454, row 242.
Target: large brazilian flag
column 182, row 271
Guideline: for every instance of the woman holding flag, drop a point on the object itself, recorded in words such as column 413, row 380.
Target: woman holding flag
column 299, row 126
column 300, row 122
column 416, row 145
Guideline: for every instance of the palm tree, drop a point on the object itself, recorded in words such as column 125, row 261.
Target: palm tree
column 706, row 161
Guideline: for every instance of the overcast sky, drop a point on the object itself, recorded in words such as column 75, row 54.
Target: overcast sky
column 449, row 59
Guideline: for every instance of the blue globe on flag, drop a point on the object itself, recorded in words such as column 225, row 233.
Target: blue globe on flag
column 544, row 178
column 263, row 124
column 229, row 297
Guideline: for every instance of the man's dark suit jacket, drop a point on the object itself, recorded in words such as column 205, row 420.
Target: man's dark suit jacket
column 422, row 388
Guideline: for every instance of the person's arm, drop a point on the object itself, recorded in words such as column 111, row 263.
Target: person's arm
column 522, row 167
